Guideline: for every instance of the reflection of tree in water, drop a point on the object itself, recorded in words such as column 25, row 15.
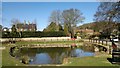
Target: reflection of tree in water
column 56, row 54
column 29, row 51
column 88, row 48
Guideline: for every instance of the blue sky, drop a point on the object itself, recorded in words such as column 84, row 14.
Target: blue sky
column 41, row 11
column 60, row 0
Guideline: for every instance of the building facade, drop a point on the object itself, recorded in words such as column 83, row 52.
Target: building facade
column 26, row 27
column 86, row 31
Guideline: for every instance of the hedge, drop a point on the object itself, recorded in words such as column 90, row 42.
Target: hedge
column 33, row 34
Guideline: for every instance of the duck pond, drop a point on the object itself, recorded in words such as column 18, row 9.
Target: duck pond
column 49, row 55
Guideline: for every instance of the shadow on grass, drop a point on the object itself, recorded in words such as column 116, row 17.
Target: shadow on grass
column 112, row 61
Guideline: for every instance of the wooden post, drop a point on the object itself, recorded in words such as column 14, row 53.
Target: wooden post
column 106, row 42
column 44, row 41
column 99, row 41
column 102, row 42
column 96, row 40
column 51, row 39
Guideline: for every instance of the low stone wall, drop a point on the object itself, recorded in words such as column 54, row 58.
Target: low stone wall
column 4, row 40
column 36, row 39
column 46, row 39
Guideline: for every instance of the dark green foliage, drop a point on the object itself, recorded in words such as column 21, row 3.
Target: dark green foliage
column 14, row 28
column 33, row 34
column 30, row 34
column 66, row 30
column 98, row 26
column 53, row 27
column 60, row 28
column 0, row 27
column 52, row 34
column 104, row 28
column 10, row 35
column 14, row 51
column 5, row 34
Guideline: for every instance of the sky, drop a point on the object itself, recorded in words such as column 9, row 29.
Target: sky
column 60, row 0
column 41, row 11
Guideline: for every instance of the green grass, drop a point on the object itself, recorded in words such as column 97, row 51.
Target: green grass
column 46, row 42
column 8, row 60
column 0, row 58
column 89, row 61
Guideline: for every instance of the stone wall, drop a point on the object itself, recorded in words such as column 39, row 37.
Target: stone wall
column 36, row 39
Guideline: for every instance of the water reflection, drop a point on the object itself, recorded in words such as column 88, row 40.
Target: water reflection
column 42, row 58
column 80, row 53
column 53, row 55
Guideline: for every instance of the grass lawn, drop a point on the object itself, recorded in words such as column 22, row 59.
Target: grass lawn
column 8, row 60
column 89, row 61
column 48, row 42
column 0, row 58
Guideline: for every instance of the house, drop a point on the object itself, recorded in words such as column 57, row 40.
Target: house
column 26, row 27
column 86, row 31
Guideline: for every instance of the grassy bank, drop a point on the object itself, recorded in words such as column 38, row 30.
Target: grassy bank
column 8, row 60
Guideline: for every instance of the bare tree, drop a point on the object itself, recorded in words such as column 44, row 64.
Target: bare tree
column 15, row 22
column 72, row 17
column 108, row 11
column 56, row 18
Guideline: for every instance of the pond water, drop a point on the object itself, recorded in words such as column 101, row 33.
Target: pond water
column 53, row 55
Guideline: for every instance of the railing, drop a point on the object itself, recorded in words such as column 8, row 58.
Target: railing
column 104, row 43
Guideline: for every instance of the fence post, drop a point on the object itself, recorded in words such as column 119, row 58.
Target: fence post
column 51, row 40
column 102, row 42
column 99, row 41
column 106, row 42
column 93, row 40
